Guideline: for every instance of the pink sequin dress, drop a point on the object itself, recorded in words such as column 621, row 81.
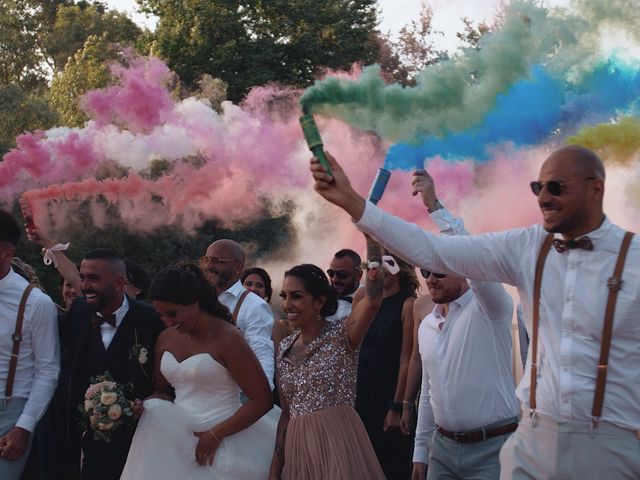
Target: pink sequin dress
column 326, row 438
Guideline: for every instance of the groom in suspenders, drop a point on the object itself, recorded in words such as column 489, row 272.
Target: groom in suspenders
column 578, row 276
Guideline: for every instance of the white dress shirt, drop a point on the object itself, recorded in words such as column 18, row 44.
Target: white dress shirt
column 344, row 308
column 255, row 321
column 466, row 358
column 573, row 298
column 107, row 332
column 39, row 358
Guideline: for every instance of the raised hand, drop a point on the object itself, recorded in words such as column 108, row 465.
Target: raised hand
column 424, row 185
column 336, row 189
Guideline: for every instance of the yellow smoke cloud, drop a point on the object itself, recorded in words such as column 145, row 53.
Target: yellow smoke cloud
column 615, row 142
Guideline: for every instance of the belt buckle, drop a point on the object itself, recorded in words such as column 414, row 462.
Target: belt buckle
column 459, row 436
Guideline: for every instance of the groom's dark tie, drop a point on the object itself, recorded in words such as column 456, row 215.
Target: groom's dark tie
column 98, row 320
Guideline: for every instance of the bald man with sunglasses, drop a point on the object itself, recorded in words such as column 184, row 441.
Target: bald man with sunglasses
column 569, row 276
column 468, row 407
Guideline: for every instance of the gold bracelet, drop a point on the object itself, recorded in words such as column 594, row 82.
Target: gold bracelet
column 213, row 435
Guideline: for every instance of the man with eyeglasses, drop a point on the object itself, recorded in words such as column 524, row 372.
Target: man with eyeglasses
column 344, row 273
column 224, row 263
column 468, row 407
column 569, row 427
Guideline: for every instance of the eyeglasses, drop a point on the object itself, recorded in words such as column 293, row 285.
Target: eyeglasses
column 215, row 260
column 555, row 187
column 425, row 274
column 339, row 274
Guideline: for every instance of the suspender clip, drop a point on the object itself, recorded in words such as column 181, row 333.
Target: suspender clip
column 533, row 415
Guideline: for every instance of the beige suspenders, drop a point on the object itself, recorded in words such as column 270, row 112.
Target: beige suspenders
column 17, row 338
column 614, row 283
column 234, row 315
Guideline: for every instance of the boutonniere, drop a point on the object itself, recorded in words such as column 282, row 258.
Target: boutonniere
column 140, row 353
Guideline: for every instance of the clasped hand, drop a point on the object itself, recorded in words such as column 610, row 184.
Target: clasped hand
column 14, row 443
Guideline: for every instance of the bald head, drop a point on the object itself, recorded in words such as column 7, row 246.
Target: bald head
column 571, row 191
column 579, row 160
column 225, row 263
column 232, row 249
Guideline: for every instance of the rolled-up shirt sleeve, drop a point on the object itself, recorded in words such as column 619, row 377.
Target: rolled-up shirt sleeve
column 43, row 320
column 492, row 257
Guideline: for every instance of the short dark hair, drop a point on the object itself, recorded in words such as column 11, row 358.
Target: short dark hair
column 185, row 284
column 137, row 276
column 262, row 273
column 316, row 284
column 112, row 257
column 9, row 229
column 355, row 258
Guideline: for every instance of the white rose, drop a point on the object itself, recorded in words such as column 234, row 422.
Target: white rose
column 115, row 412
column 105, row 426
column 142, row 359
column 108, row 398
column 88, row 405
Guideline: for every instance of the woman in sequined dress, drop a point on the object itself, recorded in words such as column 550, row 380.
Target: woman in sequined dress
column 320, row 435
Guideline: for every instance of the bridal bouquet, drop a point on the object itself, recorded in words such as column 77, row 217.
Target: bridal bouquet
column 105, row 408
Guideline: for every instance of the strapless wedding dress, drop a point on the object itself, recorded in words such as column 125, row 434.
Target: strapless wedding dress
column 206, row 394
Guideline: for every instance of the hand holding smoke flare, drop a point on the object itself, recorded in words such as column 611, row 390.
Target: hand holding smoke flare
column 312, row 136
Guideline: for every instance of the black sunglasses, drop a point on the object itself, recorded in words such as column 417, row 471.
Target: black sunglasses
column 215, row 260
column 425, row 274
column 340, row 274
column 555, row 187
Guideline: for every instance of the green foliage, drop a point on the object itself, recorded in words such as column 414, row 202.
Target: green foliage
column 86, row 70
column 253, row 42
column 21, row 58
column 21, row 111
column 74, row 24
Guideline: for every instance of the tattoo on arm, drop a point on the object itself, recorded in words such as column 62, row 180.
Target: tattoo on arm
column 374, row 280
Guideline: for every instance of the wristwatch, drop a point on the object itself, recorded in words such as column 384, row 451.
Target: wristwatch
column 438, row 206
column 395, row 406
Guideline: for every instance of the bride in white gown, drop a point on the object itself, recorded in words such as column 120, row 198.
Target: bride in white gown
column 205, row 432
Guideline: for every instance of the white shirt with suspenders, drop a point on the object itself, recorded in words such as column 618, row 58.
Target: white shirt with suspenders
column 574, row 293
column 29, row 359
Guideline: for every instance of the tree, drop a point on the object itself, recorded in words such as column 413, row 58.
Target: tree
column 253, row 42
column 21, row 58
column 87, row 70
column 415, row 47
column 471, row 35
column 21, row 111
column 74, row 24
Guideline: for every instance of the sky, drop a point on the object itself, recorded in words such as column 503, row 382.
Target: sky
column 395, row 14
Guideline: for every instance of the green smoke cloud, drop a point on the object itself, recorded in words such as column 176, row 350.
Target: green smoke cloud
column 456, row 94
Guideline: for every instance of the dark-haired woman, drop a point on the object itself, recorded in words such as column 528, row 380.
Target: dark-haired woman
column 194, row 426
column 258, row 281
column 382, row 371
column 320, row 435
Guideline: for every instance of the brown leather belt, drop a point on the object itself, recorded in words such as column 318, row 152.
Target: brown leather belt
column 472, row 436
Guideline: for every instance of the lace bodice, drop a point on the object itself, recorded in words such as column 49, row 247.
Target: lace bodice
column 202, row 385
column 327, row 375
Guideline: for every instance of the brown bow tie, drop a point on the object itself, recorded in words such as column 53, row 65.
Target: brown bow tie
column 98, row 320
column 563, row 245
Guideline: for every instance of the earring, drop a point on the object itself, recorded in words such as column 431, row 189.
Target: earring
column 318, row 317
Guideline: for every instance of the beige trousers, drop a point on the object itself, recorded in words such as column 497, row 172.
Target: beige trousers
column 546, row 449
